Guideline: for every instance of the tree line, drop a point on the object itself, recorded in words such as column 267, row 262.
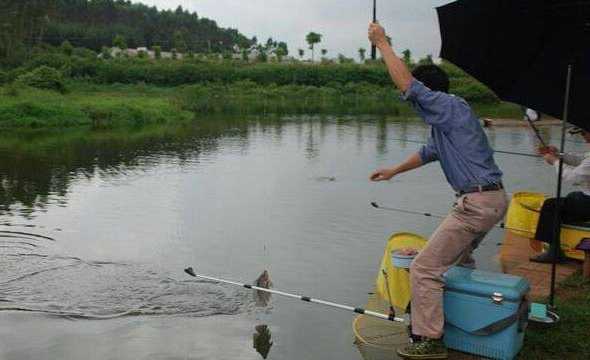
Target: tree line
column 94, row 24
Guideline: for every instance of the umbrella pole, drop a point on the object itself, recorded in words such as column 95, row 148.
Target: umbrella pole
column 557, row 221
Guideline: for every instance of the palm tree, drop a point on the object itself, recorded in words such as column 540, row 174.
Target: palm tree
column 313, row 38
column 362, row 54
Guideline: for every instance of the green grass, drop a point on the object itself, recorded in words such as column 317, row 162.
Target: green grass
column 82, row 105
column 569, row 339
column 111, row 105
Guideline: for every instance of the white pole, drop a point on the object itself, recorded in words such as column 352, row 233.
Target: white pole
column 357, row 310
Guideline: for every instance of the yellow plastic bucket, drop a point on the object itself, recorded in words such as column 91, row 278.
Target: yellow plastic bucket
column 398, row 285
column 571, row 236
column 523, row 213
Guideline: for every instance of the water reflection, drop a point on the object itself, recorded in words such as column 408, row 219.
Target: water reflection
column 262, row 339
column 38, row 167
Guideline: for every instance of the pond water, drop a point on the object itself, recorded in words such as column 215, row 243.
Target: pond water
column 97, row 227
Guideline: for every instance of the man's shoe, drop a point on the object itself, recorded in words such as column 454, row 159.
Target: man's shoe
column 547, row 258
column 426, row 349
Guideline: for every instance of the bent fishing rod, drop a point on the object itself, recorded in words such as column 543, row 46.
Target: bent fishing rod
column 496, row 151
column 434, row 215
column 308, row 299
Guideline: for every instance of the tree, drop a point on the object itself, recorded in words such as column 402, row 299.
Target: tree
column 312, row 39
column 281, row 53
column 23, row 22
column 67, row 48
column 362, row 54
column 106, row 53
column 301, row 53
column 426, row 60
column 157, row 52
column 344, row 60
column 284, row 47
column 407, row 57
column 179, row 43
column 119, row 41
column 324, row 52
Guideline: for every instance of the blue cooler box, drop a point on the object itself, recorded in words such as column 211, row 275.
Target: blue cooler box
column 486, row 313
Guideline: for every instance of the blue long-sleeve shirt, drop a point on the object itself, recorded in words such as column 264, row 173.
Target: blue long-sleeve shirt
column 457, row 138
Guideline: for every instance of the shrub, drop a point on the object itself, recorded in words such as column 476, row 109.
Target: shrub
column 53, row 60
column 84, row 53
column 106, row 53
column 13, row 89
column 67, row 48
column 157, row 52
column 3, row 77
column 473, row 91
column 44, row 77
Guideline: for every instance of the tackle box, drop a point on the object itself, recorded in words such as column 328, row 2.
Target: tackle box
column 486, row 314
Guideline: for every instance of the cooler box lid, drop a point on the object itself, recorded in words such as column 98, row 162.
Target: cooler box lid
column 485, row 284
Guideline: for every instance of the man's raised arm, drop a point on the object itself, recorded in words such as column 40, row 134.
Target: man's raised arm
column 401, row 76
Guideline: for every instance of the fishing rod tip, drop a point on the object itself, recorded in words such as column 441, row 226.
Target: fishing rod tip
column 190, row 271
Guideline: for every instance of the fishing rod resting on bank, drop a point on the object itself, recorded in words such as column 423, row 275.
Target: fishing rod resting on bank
column 357, row 310
column 435, row 216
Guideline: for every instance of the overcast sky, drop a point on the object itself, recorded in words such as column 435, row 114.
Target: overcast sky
column 411, row 23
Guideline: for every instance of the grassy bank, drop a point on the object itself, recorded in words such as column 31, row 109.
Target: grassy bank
column 109, row 105
column 85, row 105
column 569, row 339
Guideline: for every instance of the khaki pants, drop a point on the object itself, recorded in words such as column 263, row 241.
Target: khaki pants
column 452, row 244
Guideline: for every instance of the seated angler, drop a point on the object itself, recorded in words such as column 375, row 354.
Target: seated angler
column 575, row 207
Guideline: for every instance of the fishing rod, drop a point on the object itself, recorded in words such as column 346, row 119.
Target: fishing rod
column 496, row 151
column 357, row 310
column 373, row 46
column 434, row 215
column 536, row 131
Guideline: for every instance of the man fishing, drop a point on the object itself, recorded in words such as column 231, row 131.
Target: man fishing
column 575, row 207
column 458, row 142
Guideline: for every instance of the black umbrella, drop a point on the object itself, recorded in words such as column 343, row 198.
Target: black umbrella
column 521, row 49
column 532, row 52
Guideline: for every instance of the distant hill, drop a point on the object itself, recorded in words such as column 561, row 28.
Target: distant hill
column 95, row 23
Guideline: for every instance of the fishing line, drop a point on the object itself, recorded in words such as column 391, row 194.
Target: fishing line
column 496, row 151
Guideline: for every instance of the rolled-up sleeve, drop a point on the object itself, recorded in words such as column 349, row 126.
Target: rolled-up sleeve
column 428, row 152
column 575, row 174
column 436, row 108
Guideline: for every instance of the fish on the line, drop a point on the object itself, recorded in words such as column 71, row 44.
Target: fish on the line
column 263, row 281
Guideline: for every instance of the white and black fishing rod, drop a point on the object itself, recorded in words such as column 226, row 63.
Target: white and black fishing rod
column 432, row 215
column 357, row 310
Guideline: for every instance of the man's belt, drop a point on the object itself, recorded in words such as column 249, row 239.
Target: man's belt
column 482, row 188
